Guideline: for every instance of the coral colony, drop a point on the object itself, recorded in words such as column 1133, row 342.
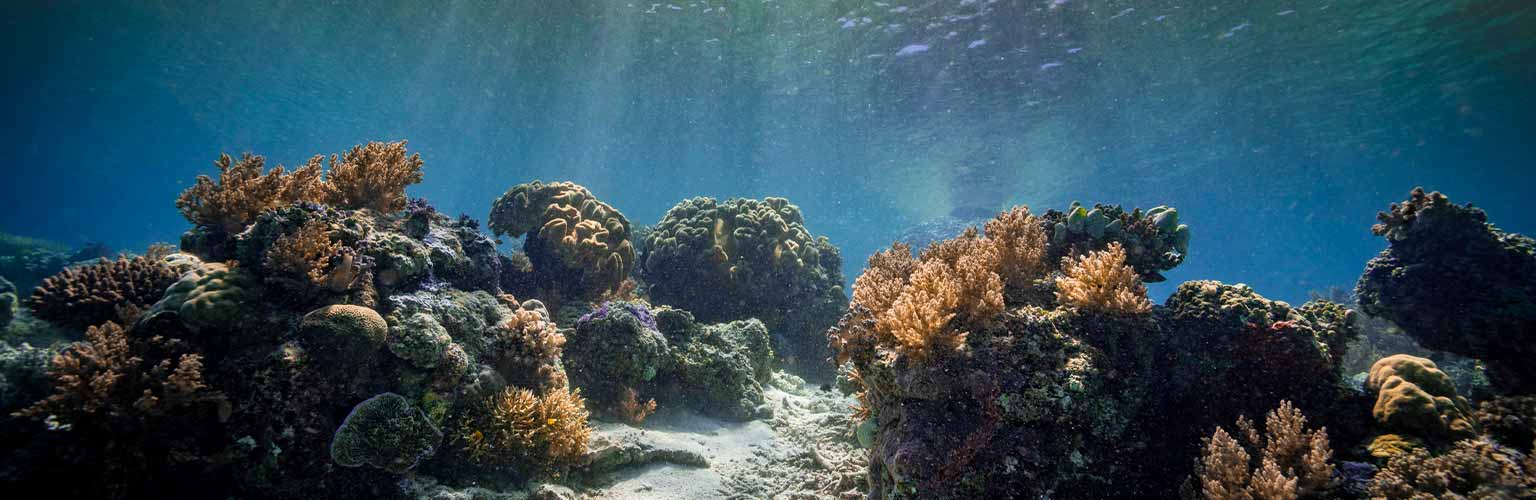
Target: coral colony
column 317, row 334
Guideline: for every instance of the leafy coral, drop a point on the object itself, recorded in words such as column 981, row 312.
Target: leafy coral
column 95, row 293
column 573, row 238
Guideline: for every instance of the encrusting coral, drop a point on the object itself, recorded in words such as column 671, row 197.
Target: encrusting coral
column 1284, row 462
column 95, row 293
column 746, row 258
column 1101, row 281
column 573, row 238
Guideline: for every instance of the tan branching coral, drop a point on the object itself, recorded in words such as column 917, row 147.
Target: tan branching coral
column 884, row 278
column 244, row 191
column 308, row 254
column 95, row 293
column 527, row 345
column 1292, row 462
column 570, row 233
column 1021, row 247
column 519, row 427
column 107, row 375
column 1101, row 281
column 632, row 410
column 372, row 175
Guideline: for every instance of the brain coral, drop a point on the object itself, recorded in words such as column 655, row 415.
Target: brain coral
column 92, row 294
column 385, row 431
column 347, row 330
column 745, row 258
column 1456, row 283
column 1414, row 397
column 573, row 238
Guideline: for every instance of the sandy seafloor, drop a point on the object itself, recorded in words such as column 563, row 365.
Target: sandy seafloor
column 804, row 451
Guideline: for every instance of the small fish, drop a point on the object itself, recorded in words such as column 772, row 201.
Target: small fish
column 1122, row 13
column 913, row 49
column 1285, row 12
column 1074, row 50
column 976, row 43
column 1049, row 65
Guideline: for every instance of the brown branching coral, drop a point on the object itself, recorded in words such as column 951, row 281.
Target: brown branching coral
column 519, row 427
column 884, row 278
column 632, row 410
column 1474, row 468
column 92, row 294
column 1292, row 462
column 372, row 176
column 108, row 375
column 243, row 191
column 1101, row 281
column 86, row 374
column 310, row 254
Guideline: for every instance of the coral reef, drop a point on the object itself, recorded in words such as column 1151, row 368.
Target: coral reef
column 1100, row 281
column 746, row 258
column 574, row 240
column 613, row 350
column 1415, row 398
column 1474, row 468
column 1284, row 462
column 1456, row 283
column 385, row 431
column 105, row 291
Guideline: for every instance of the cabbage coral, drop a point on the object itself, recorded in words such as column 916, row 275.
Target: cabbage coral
column 521, row 428
column 572, row 236
column 243, row 191
column 371, row 176
column 91, row 294
column 1100, row 281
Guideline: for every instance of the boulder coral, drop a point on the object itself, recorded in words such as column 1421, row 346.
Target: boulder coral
column 573, row 240
column 1415, row 398
column 345, row 331
column 385, row 431
column 747, row 258
column 211, row 297
column 1456, row 283
column 104, row 291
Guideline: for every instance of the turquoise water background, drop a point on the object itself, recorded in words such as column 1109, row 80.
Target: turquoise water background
column 1277, row 128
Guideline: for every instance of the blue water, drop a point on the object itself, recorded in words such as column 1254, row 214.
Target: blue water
column 1277, row 128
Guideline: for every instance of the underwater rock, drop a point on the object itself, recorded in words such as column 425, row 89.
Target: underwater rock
column 746, row 258
column 615, row 348
column 1456, row 283
column 23, row 375
column 387, row 432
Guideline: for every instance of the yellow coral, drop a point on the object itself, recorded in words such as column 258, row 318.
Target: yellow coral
column 1293, row 462
column 372, row 176
column 1414, row 397
column 1101, row 281
column 519, row 428
column 243, row 191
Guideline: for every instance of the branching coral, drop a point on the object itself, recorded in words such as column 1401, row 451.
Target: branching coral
column 1021, row 247
column 1474, row 468
column 305, row 254
column 632, row 410
column 572, row 236
column 517, row 427
column 526, row 348
column 110, row 375
column 371, row 176
column 1101, row 281
column 1292, row 462
column 95, row 293
column 243, row 191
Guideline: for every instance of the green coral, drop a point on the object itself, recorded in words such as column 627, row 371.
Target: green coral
column 1154, row 240
column 385, row 431
column 746, row 258
column 1415, row 398
column 212, row 297
column 419, row 339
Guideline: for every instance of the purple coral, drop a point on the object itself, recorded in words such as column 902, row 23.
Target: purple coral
column 636, row 309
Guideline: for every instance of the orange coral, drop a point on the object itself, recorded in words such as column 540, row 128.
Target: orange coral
column 372, row 176
column 1101, row 281
column 519, row 427
column 1293, row 462
column 244, row 191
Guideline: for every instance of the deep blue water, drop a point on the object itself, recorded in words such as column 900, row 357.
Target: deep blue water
column 1277, row 128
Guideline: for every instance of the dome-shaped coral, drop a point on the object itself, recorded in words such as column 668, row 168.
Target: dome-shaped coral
column 212, row 296
column 347, row 330
column 1414, row 397
column 572, row 236
column 385, row 431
